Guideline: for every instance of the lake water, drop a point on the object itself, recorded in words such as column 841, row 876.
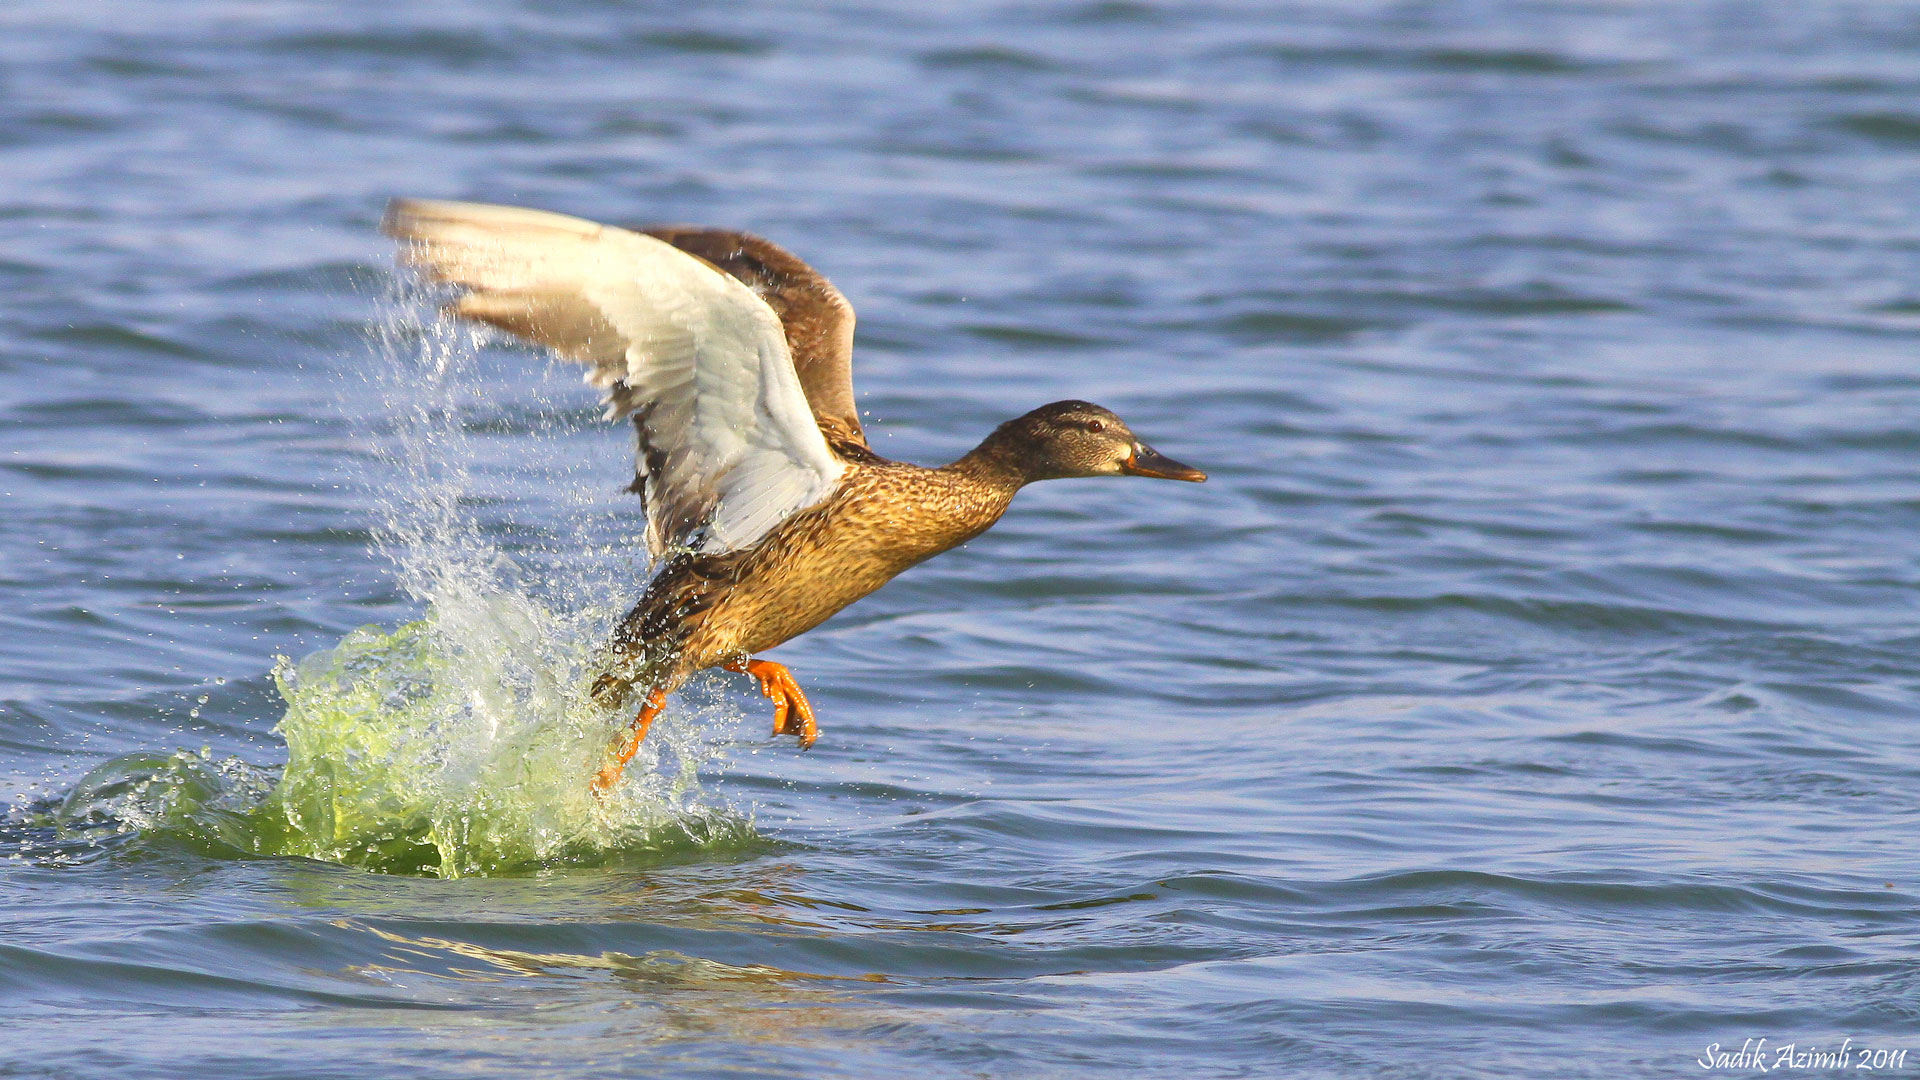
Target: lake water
column 1531, row 690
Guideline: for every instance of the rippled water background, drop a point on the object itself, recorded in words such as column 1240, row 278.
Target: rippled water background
column 1531, row 691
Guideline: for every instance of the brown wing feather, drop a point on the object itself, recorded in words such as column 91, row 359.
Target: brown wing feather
column 817, row 319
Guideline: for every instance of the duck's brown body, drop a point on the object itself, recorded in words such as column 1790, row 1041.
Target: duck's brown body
column 709, row 610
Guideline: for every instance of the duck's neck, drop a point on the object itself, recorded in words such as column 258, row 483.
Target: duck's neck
column 996, row 464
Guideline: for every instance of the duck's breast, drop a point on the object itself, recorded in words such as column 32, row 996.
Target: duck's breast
column 884, row 520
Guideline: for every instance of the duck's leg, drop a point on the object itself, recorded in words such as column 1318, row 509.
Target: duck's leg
column 609, row 776
column 791, row 713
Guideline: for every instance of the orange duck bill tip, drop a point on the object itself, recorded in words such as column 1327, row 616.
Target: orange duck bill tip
column 1146, row 461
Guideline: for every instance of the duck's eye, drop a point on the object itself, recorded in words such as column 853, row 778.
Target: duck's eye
column 1096, row 426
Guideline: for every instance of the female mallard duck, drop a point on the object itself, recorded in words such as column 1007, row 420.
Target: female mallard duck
column 735, row 361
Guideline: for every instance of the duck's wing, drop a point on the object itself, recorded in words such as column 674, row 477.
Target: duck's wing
column 728, row 445
column 817, row 319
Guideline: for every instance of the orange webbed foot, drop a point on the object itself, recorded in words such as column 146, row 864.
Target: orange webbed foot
column 604, row 780
column 792, row 715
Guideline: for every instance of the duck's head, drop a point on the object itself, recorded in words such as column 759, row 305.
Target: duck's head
column 1079, row 438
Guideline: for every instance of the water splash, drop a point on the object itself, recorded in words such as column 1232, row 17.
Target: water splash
column 415, row 751
column 460, row 743
column 464, row 748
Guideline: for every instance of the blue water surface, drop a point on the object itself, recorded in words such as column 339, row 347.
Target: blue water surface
column 1530, row 691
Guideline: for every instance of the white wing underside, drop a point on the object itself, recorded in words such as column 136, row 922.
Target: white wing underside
column 728, row 446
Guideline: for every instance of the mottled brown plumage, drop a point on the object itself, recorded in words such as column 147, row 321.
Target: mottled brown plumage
column 560, row 282
column 704, row 610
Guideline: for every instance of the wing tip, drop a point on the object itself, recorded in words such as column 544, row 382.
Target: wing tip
column 424, row 219
column 404, row 217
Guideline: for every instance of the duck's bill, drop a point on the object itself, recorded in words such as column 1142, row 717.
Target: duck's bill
column 1146, row 461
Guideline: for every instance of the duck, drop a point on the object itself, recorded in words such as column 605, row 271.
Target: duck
column 767, row 512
